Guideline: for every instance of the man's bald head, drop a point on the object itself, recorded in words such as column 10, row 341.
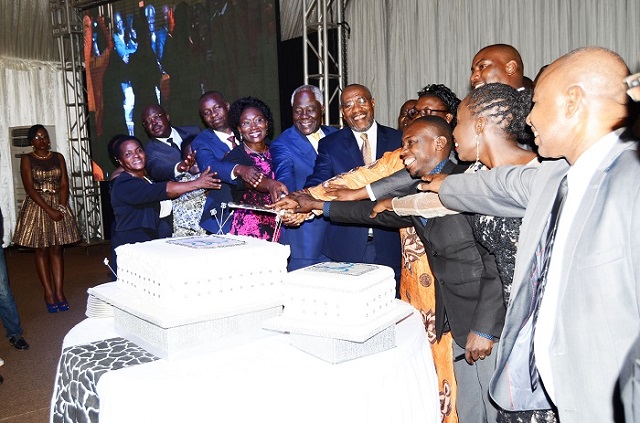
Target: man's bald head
column 497, row 63
column 578, row 99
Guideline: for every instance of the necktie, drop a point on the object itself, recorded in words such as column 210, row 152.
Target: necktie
column 366, row 149
column 316, row 136
column 173, row 144
column 232, row 140
column 546, row 245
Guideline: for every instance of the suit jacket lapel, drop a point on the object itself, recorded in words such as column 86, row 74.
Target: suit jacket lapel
column 381, row 143
column 304, row 148
column 599, row 182
column 352, row 147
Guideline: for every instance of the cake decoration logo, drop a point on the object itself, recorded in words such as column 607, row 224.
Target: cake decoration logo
column 342, row 268
column 206, row 242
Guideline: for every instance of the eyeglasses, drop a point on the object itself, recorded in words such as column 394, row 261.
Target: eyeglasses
column 360, row 101
column 150, row 119
column 430, row 112
column 411, row 113
column 259, row 121
column 41, row 137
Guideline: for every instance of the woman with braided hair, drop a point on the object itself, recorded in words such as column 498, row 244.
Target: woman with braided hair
column 491, row 127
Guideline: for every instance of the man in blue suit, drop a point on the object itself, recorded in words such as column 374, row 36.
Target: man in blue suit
column 210, row 146
column 294, row 155
column 361, row 142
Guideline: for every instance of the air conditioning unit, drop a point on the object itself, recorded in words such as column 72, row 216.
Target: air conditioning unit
column 20, row 146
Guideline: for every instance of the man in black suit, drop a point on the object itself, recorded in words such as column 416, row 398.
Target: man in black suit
column 361, row 142
column 164, row 153
column 468, row 288
column 164, row 147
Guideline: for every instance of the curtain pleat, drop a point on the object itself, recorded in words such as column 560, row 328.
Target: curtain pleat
column 397, row 47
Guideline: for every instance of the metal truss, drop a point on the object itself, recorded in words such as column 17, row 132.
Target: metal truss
column 85, row 191
column 321, row 16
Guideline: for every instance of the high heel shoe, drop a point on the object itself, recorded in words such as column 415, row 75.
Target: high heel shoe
column 63, row 305
column 52, row 308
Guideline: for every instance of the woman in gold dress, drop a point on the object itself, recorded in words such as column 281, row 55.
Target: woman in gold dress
column 45, row 221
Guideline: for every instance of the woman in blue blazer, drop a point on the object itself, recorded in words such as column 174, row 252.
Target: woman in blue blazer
column 137, row 201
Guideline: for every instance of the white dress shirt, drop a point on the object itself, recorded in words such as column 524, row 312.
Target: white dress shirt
column 578, row 181
column 372, row 135
column 315, row 138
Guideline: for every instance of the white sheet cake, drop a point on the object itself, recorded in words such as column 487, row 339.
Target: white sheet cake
column 216, row 271
column 339, row 293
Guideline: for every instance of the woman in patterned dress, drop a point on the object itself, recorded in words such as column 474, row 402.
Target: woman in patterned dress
column 252, row 121
column 45, row 221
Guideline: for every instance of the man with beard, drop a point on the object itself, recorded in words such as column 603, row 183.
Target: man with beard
column 360, row 143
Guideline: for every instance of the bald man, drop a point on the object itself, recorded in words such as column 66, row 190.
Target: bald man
column 497, row 63
column 586, row 315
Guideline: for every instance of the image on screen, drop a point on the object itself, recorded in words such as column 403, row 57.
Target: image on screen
column 170, row 52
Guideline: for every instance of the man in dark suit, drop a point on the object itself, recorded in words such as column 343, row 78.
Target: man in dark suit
column 361, row 142
column 163, row 149
column 211, row 145
column 469, row 299
column 294, row 155
column 164, row 154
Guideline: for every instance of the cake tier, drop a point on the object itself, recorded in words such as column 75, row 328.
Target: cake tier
column 213, row 271
column 343, row 293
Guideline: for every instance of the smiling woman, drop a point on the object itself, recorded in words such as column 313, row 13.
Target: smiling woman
column 252, row 122
column 138, row 203
column 45, row 221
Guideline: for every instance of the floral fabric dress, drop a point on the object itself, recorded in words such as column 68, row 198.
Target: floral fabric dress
column 35, row 229
column 252, row 223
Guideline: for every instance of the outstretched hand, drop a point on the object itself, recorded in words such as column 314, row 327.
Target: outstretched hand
column 342, row 193
column 294, row 219
column 285, row 203
column 432, row 182
column 381, row 206
column 306, row 203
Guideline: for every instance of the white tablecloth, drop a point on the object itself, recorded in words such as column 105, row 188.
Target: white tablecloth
column 268, row 380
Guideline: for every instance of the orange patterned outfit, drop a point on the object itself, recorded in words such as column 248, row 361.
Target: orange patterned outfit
column 416, row 279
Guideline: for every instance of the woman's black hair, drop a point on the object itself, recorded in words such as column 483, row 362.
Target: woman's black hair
column 448, row 97
column 116, row 143
column 505, row 106
column 31, row 134
column 238, row 106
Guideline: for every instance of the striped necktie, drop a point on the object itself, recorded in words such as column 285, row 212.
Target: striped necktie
column 366, row 149
column 546, row 247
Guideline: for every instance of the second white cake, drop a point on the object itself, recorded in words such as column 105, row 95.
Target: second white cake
column 339, row 293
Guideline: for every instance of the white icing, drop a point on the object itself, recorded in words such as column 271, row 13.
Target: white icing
column 344, row 293
column 212, row 271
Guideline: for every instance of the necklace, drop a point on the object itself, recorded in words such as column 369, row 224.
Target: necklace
column 49, row 154
column 262, row 155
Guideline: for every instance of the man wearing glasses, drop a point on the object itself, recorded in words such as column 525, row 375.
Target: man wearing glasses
column 361, row 142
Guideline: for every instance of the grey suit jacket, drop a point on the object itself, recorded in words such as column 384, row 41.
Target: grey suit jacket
column 599, row 301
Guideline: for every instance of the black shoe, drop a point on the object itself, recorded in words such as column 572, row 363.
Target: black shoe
column 19, row 343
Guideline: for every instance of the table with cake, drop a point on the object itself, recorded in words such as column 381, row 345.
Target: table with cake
column 192, row 330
